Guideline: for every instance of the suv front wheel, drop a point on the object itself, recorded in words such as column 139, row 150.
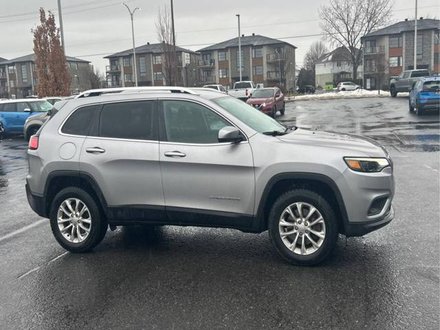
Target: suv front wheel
column 303, row 227
column 76, row 220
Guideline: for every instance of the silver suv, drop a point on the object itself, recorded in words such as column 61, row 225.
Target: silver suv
column 202, row 158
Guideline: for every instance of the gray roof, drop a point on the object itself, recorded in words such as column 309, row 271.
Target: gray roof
column 253, row 40
column 148, row 49
column 2, row 59
column 403, row 26
column 339, row 54
column 31, row 58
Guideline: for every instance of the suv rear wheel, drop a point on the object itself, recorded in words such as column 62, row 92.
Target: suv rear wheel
column 76, row 220
column 303, row 227
column 393, row 91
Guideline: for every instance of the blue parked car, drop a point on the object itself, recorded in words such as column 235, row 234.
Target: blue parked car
column 13, row 113
column 425, row 95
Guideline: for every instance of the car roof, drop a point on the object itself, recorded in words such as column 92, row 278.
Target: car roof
column 22, row 100
column 118, row 90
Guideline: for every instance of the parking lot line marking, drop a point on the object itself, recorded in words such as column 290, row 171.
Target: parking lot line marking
column 433, row 169
column 58, row 257
column 22, row 230
column 29, row 272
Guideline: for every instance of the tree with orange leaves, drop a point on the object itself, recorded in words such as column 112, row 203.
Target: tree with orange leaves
column 53, row 78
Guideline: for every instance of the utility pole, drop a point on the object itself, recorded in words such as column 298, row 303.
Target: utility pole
column 174, row 66
column 415, row 39
column 134, row 48
column 60, row 17
column 239, row 46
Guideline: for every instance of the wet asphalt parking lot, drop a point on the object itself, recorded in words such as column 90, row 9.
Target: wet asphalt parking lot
column 191, row 278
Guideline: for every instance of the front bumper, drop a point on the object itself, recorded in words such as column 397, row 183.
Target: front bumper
column 37, row 203
column 363, row 228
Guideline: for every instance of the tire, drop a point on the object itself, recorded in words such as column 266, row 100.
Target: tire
column 327, row 227
column 274, row 111
column 393, row 91
column 343, row 89
column 419, row 110
column 96, row 225
column 411, row 108
column 31, row 131
column 283, row 109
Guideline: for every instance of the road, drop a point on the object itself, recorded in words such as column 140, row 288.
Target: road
column 190, row 278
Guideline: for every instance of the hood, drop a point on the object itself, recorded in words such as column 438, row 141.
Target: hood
column 260, row 100
column 353, row 144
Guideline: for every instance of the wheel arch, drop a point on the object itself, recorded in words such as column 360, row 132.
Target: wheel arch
column 319, row 183
column 58, row 180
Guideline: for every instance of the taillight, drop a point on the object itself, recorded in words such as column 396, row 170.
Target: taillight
column 33, row 142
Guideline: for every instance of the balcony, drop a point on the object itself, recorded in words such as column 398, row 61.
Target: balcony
column 206, row 63
column 271, row 58
column 273, row 75
column 374, row 50
column 112, row 68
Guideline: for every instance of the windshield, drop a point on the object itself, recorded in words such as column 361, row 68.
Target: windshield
column 250, row 116
column 263, row 93
column 40, row 106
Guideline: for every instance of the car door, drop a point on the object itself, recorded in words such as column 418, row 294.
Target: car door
column 121, row 153
column 23, row 112
column 9, row 114
column 204, row 181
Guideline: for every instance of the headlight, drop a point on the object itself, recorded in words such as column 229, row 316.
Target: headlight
column 366, row 164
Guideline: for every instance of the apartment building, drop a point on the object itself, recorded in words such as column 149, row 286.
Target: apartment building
column 263, row 60
column 18, row 76
column 334, row 67
column 389, row 51
column 150, row 66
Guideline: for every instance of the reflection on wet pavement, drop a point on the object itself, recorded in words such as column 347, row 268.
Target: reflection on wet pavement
column 388, row 121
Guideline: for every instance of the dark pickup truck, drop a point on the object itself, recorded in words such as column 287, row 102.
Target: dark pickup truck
column 405, row 81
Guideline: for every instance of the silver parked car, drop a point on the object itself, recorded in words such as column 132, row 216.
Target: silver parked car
column 202, row 158
column 347, row 86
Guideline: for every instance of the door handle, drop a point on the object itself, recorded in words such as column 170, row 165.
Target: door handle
column 95, row 150
column 174, row 154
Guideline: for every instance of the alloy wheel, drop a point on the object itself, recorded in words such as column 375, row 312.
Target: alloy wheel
column 74, row 220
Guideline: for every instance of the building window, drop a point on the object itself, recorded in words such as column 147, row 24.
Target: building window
column 338, row 64
column 419, row 46
column 127, row 77
column 127, row 61
column 395, row 61
column 242, row 60
column 370, row 46
column 11, row 69
column 257, row 52
column 370, row 65
column 222, row 56
column 142, row 65
column 395, row 42
column 223, row 73
column 157, row 59
column 24, row 75
column 157, row 76
column 257, row 70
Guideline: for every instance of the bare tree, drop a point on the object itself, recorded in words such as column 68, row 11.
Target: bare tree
column 315, row 52
column 50, row 61
column 345, row 22
column 169, row 57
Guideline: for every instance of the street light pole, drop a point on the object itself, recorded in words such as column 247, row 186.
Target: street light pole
column 134, row 48
column 239, row 46
column 60, row 16
column 415, row 39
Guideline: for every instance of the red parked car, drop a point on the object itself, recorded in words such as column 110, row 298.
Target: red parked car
column 268, row 100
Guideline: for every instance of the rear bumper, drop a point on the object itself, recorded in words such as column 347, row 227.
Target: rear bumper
column 363, row 228
column 37, row 203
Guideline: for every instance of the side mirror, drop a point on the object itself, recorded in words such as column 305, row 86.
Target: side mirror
column 230, row 134
column 27, row 110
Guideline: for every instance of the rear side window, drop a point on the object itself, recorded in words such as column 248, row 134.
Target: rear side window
column 9, row 107
column 129, row 120
column 420, row 73
column 81, row 121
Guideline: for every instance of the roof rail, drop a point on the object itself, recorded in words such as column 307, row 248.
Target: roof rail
column 116, row 90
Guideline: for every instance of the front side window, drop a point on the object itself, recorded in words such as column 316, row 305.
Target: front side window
column 128, row 120
column 80, row 122
column 189, row 122
column 22, row 106
column 250, row 116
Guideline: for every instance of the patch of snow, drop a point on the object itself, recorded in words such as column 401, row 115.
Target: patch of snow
column 357, row 94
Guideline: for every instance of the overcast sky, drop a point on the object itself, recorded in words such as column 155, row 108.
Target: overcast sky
column 94, row 29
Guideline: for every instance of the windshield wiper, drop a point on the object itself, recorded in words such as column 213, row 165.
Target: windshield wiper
column 274, row 133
